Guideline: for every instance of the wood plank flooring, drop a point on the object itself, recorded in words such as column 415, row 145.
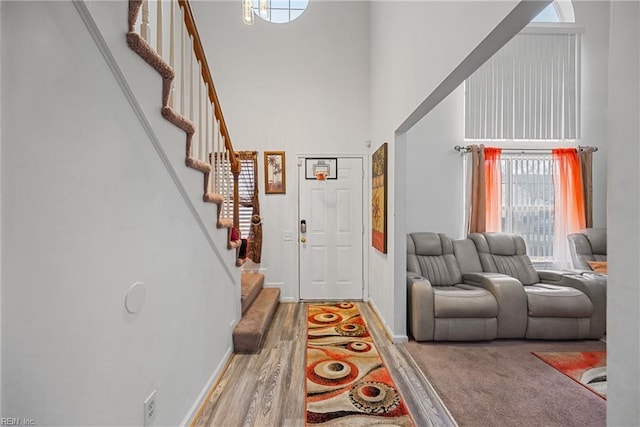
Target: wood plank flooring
column 268, row 388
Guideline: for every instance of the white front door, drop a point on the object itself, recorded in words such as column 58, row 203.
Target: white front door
column 331, row 248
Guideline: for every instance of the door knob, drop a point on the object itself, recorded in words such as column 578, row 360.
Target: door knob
column 303, row 240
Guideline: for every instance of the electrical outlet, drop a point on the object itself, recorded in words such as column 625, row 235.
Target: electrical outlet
column 150, row 408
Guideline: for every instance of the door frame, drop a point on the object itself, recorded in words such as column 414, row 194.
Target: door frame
column 366, row 202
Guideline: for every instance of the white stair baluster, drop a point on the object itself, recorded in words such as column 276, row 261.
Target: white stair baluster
column 183, row 70
column 144, row 25
column 190, row 95
column 208, row 136
column 159, row 27
column 172, row 50
column 216, row 144
column 200, row 114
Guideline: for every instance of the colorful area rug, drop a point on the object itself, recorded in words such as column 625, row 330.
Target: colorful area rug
column 588, row 368
column 347, row 383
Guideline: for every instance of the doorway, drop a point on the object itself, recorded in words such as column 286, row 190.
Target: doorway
column 331, row 229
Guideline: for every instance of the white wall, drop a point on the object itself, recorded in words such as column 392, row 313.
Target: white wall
column 301, row 88
column 1, row 239
column 623, row 307
column 594, row 17
column 88, row 208
column 434, row 169
column 414, row 47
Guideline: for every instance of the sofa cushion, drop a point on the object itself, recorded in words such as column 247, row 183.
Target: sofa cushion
column 545, row 300
column 431, row 244
column 464, row 301
column 507, row 254
column 435, row 269
column 467, row 256
column 431, row 255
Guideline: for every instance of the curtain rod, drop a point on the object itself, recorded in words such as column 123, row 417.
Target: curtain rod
column 467, row 148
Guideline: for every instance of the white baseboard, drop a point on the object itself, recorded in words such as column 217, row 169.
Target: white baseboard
column 399, row 339
column 193, row 411
column 273, row 285
column 396, row 339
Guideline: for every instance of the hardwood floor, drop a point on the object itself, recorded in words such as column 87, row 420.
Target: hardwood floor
column 268, row 388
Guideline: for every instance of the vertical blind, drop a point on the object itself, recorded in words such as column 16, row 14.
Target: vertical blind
column 528, row 201
column 530, row 89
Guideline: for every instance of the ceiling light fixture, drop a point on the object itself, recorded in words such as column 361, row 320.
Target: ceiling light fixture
column 263, row 8
column 247, row 12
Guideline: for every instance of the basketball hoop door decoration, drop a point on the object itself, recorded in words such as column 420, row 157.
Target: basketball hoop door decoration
column 321, row 169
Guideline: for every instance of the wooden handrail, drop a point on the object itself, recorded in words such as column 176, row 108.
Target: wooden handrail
column 190, row 24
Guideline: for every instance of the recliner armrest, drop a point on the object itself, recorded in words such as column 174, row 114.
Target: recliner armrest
column 512, row 301
column 551, row 276
column 590, row 284
column 420, row 307
column 593, row 285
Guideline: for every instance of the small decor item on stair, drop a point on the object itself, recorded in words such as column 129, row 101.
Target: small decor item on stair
column 347, row 382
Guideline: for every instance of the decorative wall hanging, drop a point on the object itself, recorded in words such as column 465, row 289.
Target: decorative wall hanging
column 274, row 172
column 379, row 199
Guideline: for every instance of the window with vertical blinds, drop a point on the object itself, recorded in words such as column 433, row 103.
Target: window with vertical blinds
column 528, row 201
column 529, row 90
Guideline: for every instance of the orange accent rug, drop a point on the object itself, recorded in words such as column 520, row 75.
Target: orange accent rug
column 347, row 383
column 588, row 368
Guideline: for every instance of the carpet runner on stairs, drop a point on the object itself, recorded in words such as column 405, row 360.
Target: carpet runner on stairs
column 258, row 307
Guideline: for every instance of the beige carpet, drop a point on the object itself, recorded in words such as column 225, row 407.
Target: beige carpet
column 502, row 384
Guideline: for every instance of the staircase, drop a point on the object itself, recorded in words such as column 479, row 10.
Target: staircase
column 164, row 34
column 258, row 307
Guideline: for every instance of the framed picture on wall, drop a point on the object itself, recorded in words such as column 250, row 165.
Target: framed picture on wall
column 379, row 199
column 274, row 172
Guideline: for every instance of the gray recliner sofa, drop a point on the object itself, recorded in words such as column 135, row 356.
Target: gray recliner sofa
column 485, row 287
column 560, row 305
column 441, row 307
column 589, row 244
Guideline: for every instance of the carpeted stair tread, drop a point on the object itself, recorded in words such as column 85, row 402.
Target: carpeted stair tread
column 250, row 284
column 250, row 331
